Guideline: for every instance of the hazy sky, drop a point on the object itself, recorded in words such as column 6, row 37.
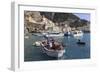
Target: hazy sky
column 85, row 16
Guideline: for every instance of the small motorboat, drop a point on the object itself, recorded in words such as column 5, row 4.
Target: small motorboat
column 56, row 51
column 67, row 34
column 80, row 42
column 77, row 33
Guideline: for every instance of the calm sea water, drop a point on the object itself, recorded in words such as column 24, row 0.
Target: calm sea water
column 73, row 50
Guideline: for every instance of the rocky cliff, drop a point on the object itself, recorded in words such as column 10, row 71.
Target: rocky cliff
column 35, row 21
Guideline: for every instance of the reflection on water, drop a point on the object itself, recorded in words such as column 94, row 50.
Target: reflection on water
column 73, row 50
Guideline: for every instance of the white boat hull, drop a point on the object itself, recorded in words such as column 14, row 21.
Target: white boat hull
column 81, row 34
column 77, row 33
column 54, row 35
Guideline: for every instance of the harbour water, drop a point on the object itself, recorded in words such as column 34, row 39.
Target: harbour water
column 73, row 50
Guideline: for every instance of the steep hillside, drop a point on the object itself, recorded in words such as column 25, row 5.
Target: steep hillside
column 35, row 21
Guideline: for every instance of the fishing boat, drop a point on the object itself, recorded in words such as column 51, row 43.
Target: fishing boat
column 53, row 52
column 53, row 34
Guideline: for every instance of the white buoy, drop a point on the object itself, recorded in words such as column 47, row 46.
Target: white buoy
column 37, row 43
column 26, row 37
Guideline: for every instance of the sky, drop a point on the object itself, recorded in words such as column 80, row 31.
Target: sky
column 85, row 16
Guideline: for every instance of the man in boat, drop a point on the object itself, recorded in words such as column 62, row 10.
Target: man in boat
column 79, row 40
column 52, row 44
column 55, row 45
column 48, row 42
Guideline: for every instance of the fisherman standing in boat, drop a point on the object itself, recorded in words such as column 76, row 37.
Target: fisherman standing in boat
column 49, row 42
